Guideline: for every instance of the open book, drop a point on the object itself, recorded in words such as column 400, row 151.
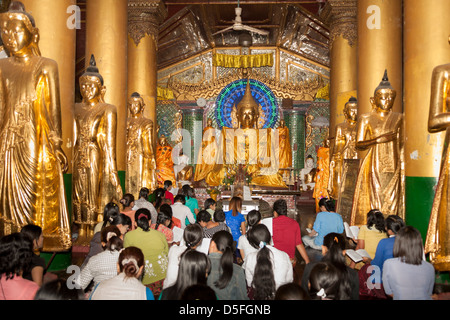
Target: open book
column 351, row 231
column 357, row 255
column 177, row 234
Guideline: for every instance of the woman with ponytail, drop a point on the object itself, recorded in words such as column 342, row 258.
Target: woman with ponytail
column 192, row 239
column 127, row 203
column 268, row 268
column 164, row 222
column 155, row 248
column 194, row 269
column 253, row 218
column 126, row 284
column 102, row 266
column 333, row 251
column 227, row 279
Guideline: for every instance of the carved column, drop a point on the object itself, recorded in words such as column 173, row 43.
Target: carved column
column 144, row 18
column 340, row 15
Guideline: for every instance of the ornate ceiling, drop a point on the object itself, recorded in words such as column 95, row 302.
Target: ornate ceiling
column 295, row 26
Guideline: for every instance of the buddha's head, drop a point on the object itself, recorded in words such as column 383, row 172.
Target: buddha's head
column 136, row 104
column 384, row 95
column 351, row 109
column 19, row 34
column 91, row 83
column 309, row 163
column 209, row 122
column 163, row 141
column 282, row 123
column 247, row 110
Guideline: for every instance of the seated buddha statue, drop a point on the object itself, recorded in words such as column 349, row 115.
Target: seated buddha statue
column 247, row 144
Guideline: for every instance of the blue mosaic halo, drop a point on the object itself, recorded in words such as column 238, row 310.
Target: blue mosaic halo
column 233, row 93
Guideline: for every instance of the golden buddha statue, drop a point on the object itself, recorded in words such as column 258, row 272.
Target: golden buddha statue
column 32, row 161
column 438, row 235
column 285, row 151
column 206, row 156
column 95, row 178
column 344, row 147
column 164, row 162
column 248, row 145
column 322, row 174
column 381, row 177
column 141, row 163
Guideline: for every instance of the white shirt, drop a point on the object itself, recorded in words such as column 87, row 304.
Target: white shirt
column 100, row 267
column 142, row 203
column 120, row 288
column 181, row 211
column 175, row 253
column 282, row 267
column 243, row 244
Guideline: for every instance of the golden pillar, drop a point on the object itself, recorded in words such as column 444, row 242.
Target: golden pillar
column 341, row 16
column 58, row 42
column 144, row 17
column 428, row 21
column 379, row 48
column 106, row 39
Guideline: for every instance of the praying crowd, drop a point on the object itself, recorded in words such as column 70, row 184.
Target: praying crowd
column 163, row 245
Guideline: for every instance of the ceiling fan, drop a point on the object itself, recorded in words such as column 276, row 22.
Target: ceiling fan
column 238, row 26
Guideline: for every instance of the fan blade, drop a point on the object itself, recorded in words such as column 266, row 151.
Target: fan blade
column 223, row 30
column 251, row 29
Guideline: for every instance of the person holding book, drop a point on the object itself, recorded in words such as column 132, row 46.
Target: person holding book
column 327, row 221
column 370, row 235
column 333, row 251
column 407, row 276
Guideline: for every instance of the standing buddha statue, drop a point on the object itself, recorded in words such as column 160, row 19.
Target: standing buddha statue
column 438, row 235
column 381, row 177
column 344, row 147
column 95, row 178
column 206, row 156
column 141, row 163
column 32, row 161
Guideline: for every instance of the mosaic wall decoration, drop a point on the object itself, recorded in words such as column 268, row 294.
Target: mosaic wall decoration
column 165, row 117
column 193, row 123
column 295, row 121
column 316, row 135
column 232, row 94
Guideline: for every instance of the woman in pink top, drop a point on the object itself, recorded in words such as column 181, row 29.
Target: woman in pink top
column 164, row 222
column 15, row 257
column 128, row 203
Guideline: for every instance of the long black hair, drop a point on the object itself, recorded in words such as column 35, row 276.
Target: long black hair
column 194, row 267
column 324, row 281
column 192, row 235
column 110, row 212
column 263, row 282
column 165, row 214
column 16, row 251
column 142, row 217
column 376, row 219
column 224, row 243
column 335, row 244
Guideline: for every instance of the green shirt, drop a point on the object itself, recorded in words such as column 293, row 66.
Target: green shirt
column 155, row 249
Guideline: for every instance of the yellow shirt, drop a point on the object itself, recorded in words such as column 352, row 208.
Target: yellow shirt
column 371, row 238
